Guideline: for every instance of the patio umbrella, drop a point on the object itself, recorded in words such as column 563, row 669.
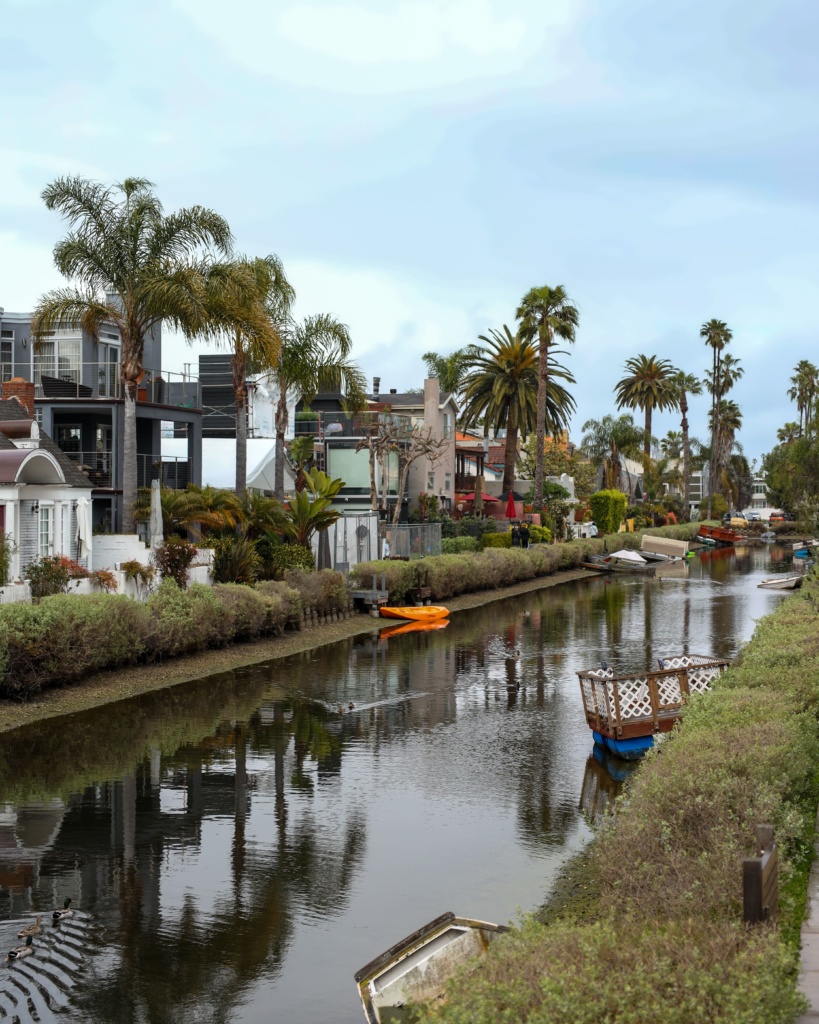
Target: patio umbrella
column 83, row 527
column 472, row 496
column 510, row 506
column 157, row 527
column 515, row 496
column 324, row 561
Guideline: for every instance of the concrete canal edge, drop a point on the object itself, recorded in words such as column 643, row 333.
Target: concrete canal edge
column 809, row 953
column 120, row 684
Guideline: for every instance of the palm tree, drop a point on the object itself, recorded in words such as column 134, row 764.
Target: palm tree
column 671, row 444
column 134, row 266
column 315, row 356
column 647, row 386
column 716, row 334
column 501, row 388
column 606, row 442
column 242, row 297
column 685, row 384
column 730, row 422
column 803, row 391
column 543, row 313
column 789, row 433
column 451, row 370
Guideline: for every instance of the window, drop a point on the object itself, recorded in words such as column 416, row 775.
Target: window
column 108, row 371
column 430, row 482
column 46, row 530
column 447, row 481
column 447, row 426
column 6, row 333
column 58, row 358
column 6, row 359
column 69, row 438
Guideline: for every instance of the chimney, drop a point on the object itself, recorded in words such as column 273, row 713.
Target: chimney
column 22, row 390
column 393, row 391
column 376, row 386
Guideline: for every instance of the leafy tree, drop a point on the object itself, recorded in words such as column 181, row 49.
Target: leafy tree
column 310, row 510
column 451, row 370
column 314, row 356
column 558, row 461
column 606, row 442
column 133, row 266
column 647, row 386
column 502, row 387
column 543, row 314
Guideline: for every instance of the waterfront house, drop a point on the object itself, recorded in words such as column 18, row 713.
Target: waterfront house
column 76, row 384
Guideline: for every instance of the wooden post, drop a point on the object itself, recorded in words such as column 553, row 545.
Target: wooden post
column 760, row 880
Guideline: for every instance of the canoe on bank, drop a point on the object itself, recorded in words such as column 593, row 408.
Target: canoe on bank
column 789, row 582
column 426, row 613
column 417, row 968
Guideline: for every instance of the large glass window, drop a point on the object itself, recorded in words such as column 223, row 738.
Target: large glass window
column 46, row 530
column 108, row 371
column 57, row 357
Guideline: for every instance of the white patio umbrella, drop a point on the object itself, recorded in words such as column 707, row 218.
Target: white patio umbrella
column 156, row 525
column 83, row 527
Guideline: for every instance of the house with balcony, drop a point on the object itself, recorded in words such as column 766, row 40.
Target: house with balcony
column 75, row 383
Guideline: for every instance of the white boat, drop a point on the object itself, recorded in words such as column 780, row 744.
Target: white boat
column 416, row 969
column 784, row 582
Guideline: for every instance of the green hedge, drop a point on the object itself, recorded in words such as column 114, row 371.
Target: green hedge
column 67, row 637
column 663, row 939
column 458, row 545
column 608, row 509
column 497, row 540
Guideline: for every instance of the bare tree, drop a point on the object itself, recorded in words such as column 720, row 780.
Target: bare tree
column 408, row 443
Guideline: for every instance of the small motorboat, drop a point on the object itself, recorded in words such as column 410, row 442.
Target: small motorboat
column 416, row 969
column 784, row 582
column 426, row 613
column 413, row 627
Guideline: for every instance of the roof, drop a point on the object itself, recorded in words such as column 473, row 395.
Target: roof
column 10, row 409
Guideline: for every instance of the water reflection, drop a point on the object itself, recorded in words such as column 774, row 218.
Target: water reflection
column 251, row 839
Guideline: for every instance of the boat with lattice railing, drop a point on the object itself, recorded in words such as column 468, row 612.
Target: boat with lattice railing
column 627, row 712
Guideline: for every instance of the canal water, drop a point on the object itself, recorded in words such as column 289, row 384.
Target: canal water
column 238, row 847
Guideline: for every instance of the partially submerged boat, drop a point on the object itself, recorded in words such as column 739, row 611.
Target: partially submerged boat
column 627, row 712
column 789, row 581
column 620, row 561
column 425, row 613
column 720, row 536
column 663, row 549
column 416, row 969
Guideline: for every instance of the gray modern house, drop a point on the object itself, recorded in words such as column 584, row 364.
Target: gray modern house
column 78, row 402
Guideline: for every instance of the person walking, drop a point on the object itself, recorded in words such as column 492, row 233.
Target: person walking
column 515, row 535
column 524, row 535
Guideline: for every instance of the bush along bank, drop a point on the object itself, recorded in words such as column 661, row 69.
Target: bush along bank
column 64, row 638
column 664, row 939
column 469, row 571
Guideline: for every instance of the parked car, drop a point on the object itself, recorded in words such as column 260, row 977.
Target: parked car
column 734, row 521
column 753, row 517
column 777, row 517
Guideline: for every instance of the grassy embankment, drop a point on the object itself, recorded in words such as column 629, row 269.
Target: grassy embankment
column 66, row 638
column 657, row 931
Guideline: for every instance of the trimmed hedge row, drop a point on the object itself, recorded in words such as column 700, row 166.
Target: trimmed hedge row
column 450, row 575
column 664, row 939
column 66, row 637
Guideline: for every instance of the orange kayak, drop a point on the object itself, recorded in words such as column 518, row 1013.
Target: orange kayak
column 427, row 613
column 413, row 627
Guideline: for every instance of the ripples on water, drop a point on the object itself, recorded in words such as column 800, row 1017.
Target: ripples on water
column 239, row 847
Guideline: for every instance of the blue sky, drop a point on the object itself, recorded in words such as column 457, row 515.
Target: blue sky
column 419, row 165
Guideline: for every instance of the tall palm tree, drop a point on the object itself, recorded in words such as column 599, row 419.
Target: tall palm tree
column 803, row 391
column 543, row 313
column 789, row 433
column 646, row 386
column 501, row 388
column 133, row 266
column 314, row 356
column 451, row 370
column 716, row 334
column 685, row 384
column 242, row 298
column 671, row 444
column 607, row 441
column 730, row 422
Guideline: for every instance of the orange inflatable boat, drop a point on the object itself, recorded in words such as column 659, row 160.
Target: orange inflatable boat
column 427, row 613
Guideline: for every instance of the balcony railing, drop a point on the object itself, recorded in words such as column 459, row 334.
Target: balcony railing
column 327, row 425
column 97, row 466
column 169, row 470
column 92, row 381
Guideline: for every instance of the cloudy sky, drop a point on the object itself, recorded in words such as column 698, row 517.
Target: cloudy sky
column 419, row 164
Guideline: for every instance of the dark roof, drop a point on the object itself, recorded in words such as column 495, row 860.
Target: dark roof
column 408, row 398
column 10, row 409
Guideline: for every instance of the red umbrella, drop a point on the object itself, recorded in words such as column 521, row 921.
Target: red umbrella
column 510, row 506
column 485, row 497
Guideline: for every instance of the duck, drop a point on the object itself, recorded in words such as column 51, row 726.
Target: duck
column 61, row 915
column 31, row 929
column 350, row 706
column 20, row 951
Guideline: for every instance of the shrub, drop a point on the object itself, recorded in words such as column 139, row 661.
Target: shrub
column 173, row 559
column 284, row 605
column 246, row 611
column 7, row 550
column 287, row 556
column 104, row 580
column 607, row 509
column 235, row 560
column 539, row 534
column 497, row 540
column 48, row 576
column 326, row 591
column 139, row 573
column 457, row 545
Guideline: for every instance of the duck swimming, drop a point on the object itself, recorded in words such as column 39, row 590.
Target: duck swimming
column 31, row 929
column 61, row 915
column 20, row 951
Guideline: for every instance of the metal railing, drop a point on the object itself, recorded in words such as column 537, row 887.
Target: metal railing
column 91, row 381
column 169, row 470
column 345, row 424
column 97, row 466
column 412, row 540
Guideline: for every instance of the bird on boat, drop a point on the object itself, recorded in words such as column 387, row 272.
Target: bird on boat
column 61, row 915
column 31, row 929
column 20, row 951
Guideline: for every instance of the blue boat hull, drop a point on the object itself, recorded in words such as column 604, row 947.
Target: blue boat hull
column 630, row 749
